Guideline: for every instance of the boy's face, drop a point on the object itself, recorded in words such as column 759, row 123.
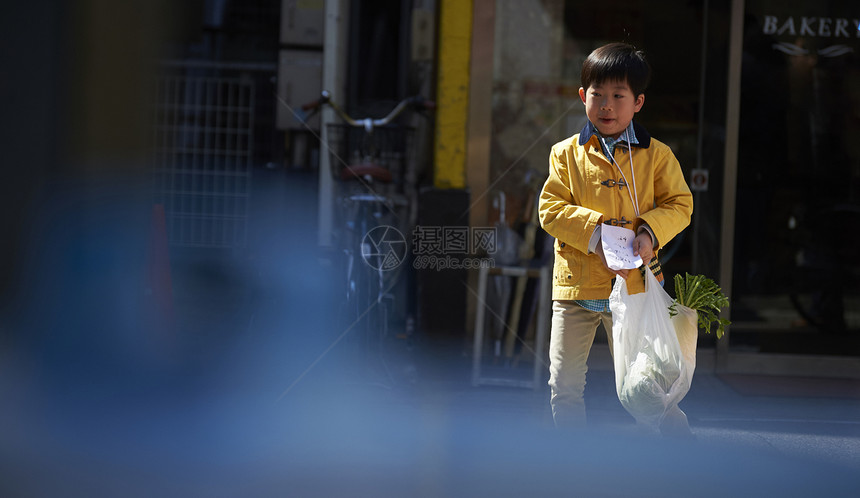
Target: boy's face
column 610, row 106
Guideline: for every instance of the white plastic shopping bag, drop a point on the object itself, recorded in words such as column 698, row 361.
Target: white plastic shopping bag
column 654, row 354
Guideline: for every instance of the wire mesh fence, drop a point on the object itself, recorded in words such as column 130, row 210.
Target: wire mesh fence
column 203, row 150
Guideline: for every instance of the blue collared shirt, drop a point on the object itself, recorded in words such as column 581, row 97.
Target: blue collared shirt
column 629, row 137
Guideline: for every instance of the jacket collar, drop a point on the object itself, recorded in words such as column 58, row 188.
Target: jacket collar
column 589, row 130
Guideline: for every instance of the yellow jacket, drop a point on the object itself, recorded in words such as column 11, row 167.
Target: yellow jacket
column 583, row 190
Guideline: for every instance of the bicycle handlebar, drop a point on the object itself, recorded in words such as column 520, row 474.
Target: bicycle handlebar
column 417, row 102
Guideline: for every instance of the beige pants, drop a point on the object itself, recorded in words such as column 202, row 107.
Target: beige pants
column 571, row 337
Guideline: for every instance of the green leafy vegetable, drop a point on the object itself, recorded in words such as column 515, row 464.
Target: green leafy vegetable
column 702, row 294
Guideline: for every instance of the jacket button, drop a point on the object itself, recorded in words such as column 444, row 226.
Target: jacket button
column 562, row 244
column 569, row 276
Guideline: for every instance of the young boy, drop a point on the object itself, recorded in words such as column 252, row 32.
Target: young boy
column 612, row 172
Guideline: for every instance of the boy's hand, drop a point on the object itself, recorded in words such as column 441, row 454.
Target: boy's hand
column 599, row 251
column 643, row 247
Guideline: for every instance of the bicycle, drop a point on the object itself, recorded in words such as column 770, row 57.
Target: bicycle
column 370, row 161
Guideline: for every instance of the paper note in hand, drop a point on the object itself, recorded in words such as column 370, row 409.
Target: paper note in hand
column 618, row 247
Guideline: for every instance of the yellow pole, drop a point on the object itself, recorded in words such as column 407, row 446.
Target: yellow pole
column 452, row 93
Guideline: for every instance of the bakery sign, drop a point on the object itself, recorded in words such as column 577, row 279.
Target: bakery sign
column 835, row 36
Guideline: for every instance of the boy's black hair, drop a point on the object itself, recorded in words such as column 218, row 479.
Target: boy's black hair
column 617, row 62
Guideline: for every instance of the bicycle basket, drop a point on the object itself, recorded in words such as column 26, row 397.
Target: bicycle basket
column 382, row 154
